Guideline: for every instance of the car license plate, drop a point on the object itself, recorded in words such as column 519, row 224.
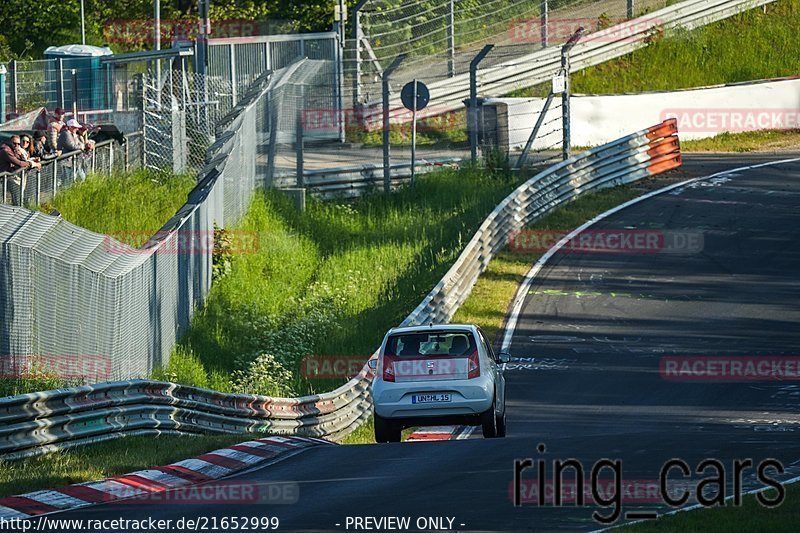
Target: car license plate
column 430, row 398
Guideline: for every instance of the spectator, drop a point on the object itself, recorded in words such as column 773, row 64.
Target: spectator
column 25, row 148
column 70, row 141
column 40, row 147
column 11, row 162
column 54, row 126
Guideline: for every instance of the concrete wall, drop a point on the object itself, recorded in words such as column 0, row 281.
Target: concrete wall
column 701, row 113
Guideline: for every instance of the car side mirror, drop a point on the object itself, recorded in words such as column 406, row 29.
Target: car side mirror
column 504, row 357
column 373, row 364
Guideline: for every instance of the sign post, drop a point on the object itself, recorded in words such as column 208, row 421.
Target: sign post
column 415, row 96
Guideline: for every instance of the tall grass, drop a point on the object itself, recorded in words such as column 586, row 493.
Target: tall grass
column 130, row 207
column 331, row 281
column 756, row 44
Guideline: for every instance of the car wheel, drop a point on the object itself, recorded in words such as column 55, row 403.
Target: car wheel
column 489, row 423
column 501, row 425
column 385, row 431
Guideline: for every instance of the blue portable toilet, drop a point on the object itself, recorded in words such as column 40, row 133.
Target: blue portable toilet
column 93, row 85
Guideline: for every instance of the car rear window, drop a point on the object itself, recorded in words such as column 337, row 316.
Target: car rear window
column 435, row 343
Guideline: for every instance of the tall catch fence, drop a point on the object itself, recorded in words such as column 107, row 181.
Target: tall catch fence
column 75, row 300
column 441, row 38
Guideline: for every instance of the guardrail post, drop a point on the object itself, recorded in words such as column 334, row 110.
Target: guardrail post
column 387, row 171
column 2, row 93
column 451, row 39
column 13, row 78
column 472, row 112
column 630, row 9
column 565, row 115
column 543, row 21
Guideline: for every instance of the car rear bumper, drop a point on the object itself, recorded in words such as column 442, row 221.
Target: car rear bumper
column 468, row 397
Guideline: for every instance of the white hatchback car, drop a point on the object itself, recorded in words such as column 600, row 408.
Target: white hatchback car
column 438, row 374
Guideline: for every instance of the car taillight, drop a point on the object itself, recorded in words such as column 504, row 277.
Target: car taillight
column 388, row 368
column 474, row 366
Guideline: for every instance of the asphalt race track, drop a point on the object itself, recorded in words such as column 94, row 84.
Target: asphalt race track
column 587, row 380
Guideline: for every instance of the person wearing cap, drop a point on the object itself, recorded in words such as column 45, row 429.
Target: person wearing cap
column 70, row 141
column 40, row 149
column 54, row 125
column 11, row 162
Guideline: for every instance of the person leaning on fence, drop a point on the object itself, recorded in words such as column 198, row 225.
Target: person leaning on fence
column 40, row 148
column 11, row 162
column 55, row 123
column 70, row 141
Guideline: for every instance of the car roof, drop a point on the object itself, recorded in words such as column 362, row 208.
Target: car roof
column 434, row 327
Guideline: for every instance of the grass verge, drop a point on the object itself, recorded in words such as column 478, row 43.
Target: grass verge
column 130, row 207
column 750, row 516
column 105, row 459
column 757, row 44
column 328, row 282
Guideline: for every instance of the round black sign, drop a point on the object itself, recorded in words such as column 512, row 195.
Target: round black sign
column 407, row 96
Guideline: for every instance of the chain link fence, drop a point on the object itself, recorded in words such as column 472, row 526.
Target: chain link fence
column 180, row 111
column 95, row 308
column 441, row 38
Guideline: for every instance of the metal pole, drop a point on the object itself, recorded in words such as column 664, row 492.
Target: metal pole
column 630, row 8
column 232, row 58
column 543, row 21
column 2, row 97
column 414, row 137
column 387, row 175
column 157, row 36
column 60, row 83
column 75, row 94
column 451, row 40
column 298, row 145
column 357, row 52
column 83, row 26
column 532, row 137
column 13, row 74
column 565, row 117
column 473, row 102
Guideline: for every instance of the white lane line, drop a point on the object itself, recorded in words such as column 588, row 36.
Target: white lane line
column 522, row 292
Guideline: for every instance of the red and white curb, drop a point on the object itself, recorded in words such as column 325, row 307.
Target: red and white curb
column 441, row 433
column 207, row 467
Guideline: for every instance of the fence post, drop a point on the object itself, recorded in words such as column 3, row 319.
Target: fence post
column 75, row 94
column 3, row 72
column 565, row 115
column 357, row 52
column 298, row 140
column 472, row 113
column 543, row 21
column 630, row 9
column 14, row 75
column 60, row 82
column 387, row 171
column 232, row 56
column 451, row 39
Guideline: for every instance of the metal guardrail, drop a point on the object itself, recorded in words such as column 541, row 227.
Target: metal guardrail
column 36, row 423
column 596, row 48
column 42, row 185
